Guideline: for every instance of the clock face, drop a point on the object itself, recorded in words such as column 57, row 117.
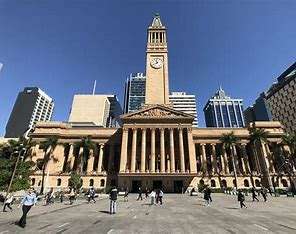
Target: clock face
column 156, row 63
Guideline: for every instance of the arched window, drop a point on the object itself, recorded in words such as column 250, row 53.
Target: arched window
column 102, row 184
column 246, row 183
column 213, row 183
column 224, row 183
column 234, row 182
column 201, row 182
column 33, row 181
column 91, row 182
column 59, row 182
column 257, row 183
column 285, row 183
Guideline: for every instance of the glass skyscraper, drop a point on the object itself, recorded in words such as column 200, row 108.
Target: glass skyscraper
column 221, row 111
column 134, row 95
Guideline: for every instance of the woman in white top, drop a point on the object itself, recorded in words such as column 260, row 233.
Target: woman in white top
column 152, row 195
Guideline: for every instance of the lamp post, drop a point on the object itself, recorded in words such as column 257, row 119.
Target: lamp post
column 22, row 150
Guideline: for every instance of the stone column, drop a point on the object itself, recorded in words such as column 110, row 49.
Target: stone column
column 58, row 154
column 265, row 155
column 226, row 166
column 181, row 149
column 134, row 151
column 204, row 158
column 172, row 150
column 214, row 159
column 100, row 161
column 143, row 150
column 168, row 163
column 270, row 159
column 191, row 150
column 222, row 164
column 111, row 158
column 236, row 159
column 152, row 160
column 71, row 157
column 162, row 151
column 245, row 158
column 123, row 154
column 90, row 163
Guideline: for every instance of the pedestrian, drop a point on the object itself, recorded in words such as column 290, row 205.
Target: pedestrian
column 146, row 192
column 152, row 196
column 241, row 199
column 209, row 194
column 254, row 196
column 140, row 194
column 125, row 197
column 206, row 196
column 28, row 201
column 91, row 195
column 62, row 196
column 72, row 196
column 264, row 194
column 160, row 196
column 8, row 202
column 113, row 200
column 49, row 197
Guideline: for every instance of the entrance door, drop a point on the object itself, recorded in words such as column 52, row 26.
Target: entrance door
column 135, row 185
column 178, row 186
column 157, row 184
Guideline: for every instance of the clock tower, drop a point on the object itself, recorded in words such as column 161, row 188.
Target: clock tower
column 157, row 81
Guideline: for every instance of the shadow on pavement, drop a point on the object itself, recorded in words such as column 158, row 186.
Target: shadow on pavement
column 104, row 211
column 231, row 208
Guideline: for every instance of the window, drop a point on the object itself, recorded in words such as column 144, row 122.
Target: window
column 33, row 181
column 284, row 182
column 246, row 183
column 213, row 183
column 234, row 182
column 224, row 183
column 257, row 183
column 102, row 184
column 91, row 182
column 59, row 182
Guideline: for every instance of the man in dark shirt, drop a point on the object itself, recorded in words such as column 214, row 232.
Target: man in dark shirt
column 113, row 200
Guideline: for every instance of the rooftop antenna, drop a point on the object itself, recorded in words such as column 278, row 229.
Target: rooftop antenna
column 94, row 88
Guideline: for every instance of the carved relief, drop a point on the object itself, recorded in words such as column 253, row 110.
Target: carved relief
column 158, row 113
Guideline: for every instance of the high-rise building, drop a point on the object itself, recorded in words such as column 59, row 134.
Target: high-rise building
column 100, row 110
column 134, row 95
column 185, row 103
column 31, row 105
column 281, row 99
column 222, row 111
column 259, row 111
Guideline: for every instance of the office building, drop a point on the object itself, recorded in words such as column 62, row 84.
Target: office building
column 134, row 95
column 31, row 105
column 281, row 99
column 259, row 111
column 185, row 103
column 221, row 111
column 99, row 110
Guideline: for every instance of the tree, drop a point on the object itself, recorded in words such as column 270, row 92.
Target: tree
column 75, row 181
column 48, row 146
column 229, row 140
column 86, row 144
column 14, row 170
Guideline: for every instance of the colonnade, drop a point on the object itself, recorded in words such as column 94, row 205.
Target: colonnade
column 169, row 160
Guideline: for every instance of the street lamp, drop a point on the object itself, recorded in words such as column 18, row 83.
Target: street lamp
column 20, row 155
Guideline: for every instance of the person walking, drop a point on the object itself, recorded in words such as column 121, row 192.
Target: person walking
column 241, row 199
column 125, row 197
column 8, row 202
column 254, row 195
column 49, row 198
column 28, row 201
column 160, row 196
column 152, row 196
column 206, row 196
column 140, row 194
column 264, row 194
column 62, row 196
column 91, row 195
column 113, row 200
column 209, row 194
column 72, row 196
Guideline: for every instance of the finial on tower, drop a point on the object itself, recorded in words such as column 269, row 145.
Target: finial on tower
column 156, row 22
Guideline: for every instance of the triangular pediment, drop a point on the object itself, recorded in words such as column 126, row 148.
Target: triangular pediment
column 157, row 112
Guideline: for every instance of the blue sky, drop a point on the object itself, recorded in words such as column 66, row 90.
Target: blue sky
column 63, row 46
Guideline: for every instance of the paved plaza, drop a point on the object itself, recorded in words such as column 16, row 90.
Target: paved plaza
column 179, row 214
